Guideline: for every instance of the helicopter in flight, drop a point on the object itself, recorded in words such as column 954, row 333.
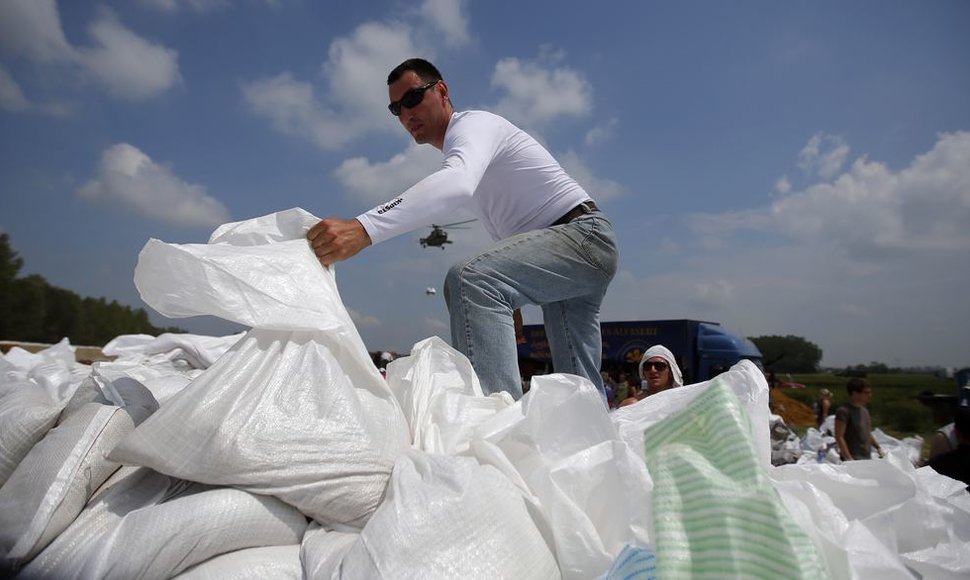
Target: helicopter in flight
column 439, row 237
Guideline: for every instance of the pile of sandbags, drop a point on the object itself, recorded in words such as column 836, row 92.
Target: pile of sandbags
column 284, row 453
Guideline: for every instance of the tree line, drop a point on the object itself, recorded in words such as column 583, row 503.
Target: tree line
column 33, row 310
column 788, row 354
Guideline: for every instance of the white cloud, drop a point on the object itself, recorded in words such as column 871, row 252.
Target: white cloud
column 199, row 6
column 713, row 294
column 870, row 266
column 600, row 188
column 130, row 179
column 32, row 29
column 293, row 109
column 123, row 63
column 357, row 68
column 871, row 212
column 12, row 99
column 356, row 102
column 363, row 320
column 783, row 185
column 127, row 65
column 601, row 133
column 449, row 17
column 823, row 155
column 539, row 92
column 374, row 183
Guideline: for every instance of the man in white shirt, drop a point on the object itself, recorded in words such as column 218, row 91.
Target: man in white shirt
column 554, row 248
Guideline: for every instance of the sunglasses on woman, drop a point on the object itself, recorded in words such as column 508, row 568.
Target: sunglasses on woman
column 410, row 99
column 659, row 366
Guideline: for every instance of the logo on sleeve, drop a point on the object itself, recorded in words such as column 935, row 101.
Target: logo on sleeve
column 390, row 206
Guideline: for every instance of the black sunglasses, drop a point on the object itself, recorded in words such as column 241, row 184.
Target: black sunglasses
column 412, row 98
column 657, row 365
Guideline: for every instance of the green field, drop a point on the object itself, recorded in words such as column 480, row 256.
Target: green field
column 895, row 407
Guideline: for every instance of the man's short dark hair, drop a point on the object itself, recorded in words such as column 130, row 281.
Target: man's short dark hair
column 424, row 69
column 856, row 385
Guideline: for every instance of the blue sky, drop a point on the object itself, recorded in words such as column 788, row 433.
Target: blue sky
column 782, row 168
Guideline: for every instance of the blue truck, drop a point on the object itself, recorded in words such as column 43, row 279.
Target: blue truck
column 703, row 349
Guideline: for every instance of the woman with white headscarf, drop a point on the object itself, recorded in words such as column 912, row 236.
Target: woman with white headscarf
column 658, row 372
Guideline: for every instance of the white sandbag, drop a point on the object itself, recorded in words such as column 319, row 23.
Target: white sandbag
column 25, row 360
column 870, row 558
column 949, row 561
column 858, row 489
column 917, row 523
column 265, row 563
column 714, row 507
column 297, row 415
column 913, row 446
column 162, row 379
column 55, row 480
column 558, row 441
column 27, row 413
column 129, row 489
column 57, row 379
column 449, row 517
column 441, row 396
column 322, row 551
column 127, row 345
column 260, row 273
column 745, row 380
column 883, row 514
column 159, row 541
column 199, row 351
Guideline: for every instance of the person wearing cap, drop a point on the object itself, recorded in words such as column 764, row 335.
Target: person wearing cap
column 552, row 247
column 658, row 372
column 822, row 407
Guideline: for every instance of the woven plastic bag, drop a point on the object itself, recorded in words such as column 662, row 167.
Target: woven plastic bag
column 558, row 442
column 296, row 409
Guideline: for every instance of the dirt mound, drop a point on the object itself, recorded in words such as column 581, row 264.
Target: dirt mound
column 792, row 411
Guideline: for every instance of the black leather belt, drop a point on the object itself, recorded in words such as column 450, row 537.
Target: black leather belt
column 580, row 210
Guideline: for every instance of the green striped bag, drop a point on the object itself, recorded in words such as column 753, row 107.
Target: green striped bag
column 716, row 515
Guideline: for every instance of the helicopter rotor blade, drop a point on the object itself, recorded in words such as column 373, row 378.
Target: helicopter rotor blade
column 458, row 223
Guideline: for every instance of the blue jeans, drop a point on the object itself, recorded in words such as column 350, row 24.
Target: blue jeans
column 564, row 269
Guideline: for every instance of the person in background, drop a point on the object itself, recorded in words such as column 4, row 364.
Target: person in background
column 956, row 463
column 822, row 407
column 553, row 246
column 609, row 387
column 622, row 388
column 853, row 425
column 658, row 372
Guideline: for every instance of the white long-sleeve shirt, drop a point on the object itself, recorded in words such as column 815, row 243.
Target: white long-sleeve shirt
column 492, row 167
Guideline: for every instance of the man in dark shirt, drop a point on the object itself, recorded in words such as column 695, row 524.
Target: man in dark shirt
column 853, row 426
column 956, row 463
